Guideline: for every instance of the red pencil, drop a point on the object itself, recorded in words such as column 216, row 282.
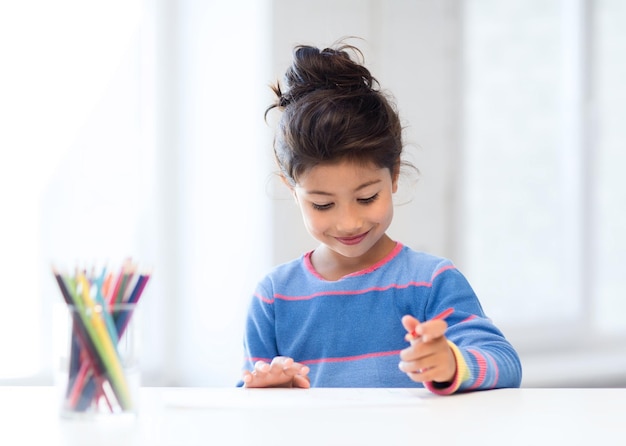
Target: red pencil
column 444, row 314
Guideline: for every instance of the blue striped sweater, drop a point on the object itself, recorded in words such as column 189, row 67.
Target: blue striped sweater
column 349, row 331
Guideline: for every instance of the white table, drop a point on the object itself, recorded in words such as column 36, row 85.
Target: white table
column 321, row 417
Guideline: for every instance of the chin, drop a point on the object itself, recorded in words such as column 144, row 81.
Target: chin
column 352, row 252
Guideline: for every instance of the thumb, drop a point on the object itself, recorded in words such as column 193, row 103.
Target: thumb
column 410, row 323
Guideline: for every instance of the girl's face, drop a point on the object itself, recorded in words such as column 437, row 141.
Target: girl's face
column 347, row 206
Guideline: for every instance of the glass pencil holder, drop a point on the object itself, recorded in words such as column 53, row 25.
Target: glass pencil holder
column 100, row 373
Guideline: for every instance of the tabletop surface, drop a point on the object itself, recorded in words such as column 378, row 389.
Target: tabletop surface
column 233, row 416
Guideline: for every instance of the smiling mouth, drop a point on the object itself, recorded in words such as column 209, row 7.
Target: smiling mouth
column 354, row 240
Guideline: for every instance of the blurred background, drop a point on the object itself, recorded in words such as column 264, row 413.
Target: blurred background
column 135, row 128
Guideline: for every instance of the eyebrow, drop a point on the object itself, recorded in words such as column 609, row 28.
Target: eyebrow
column 360, row 187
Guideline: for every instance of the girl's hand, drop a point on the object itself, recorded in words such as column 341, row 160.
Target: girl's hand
column 429, row 357
column 281, row 372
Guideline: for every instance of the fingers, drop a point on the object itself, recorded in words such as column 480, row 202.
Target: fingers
column 431, row 330
column 422, row 364
column 410, row 325
column 280, row 364
column 301, row 381
column 429, row 357
column 261, row 367
column 425, row 331
column 439, row 366
column 280, row 372
column 424, row 375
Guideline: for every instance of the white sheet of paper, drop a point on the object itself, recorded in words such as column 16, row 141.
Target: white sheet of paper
column 197, row 398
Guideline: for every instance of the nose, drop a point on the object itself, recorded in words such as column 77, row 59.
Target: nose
column 349, row 220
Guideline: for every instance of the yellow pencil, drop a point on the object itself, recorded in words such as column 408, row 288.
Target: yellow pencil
column 104, row 344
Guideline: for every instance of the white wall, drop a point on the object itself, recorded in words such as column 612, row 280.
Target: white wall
column 211, row 142
column 412, row 48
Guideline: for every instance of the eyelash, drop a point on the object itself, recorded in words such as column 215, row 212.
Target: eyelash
column 369, row 200
column 324, row 207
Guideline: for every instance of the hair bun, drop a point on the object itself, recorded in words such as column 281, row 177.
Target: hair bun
column 327, row 69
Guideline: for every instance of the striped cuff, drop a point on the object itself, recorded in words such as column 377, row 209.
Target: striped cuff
column 462, row 373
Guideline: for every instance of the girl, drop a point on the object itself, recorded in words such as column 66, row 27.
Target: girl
column 358, row 310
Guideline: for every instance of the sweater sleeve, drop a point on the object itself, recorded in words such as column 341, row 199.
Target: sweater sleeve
column 485, row 358
column 260, row 337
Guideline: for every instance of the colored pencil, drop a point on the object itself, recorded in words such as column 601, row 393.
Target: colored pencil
column 444, row 314
column 106, row 346
column 96, row 369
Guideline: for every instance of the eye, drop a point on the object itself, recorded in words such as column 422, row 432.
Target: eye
column 321, row 207
column 369, row 200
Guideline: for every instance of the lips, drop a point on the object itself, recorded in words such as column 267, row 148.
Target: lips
column 354, row 240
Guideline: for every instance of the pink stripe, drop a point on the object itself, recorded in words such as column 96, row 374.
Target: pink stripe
column 442, row 269
column 309, row 265
column 394, row 252
column 495, row 368
column 380, row 263
column 353, row 292
column 469, row 318
column 351, row 358
column 482, row 369
column 263, row 299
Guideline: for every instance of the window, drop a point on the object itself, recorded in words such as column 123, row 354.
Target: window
column 70, row 114
column 543, row 193
column 135, row 129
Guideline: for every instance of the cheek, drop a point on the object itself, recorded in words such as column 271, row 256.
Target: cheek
column 311, row 219
column 385, row 212
column 383, row 208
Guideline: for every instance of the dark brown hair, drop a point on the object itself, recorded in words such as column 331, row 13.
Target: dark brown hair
column 333, row 110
